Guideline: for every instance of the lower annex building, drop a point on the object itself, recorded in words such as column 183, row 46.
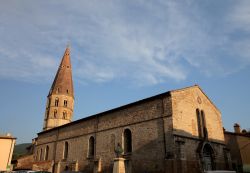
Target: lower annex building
column 7, row 143
column 176, row 131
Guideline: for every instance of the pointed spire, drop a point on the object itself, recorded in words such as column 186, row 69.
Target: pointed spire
column 63, row 83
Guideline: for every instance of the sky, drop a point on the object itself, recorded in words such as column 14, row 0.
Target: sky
column 121, row 52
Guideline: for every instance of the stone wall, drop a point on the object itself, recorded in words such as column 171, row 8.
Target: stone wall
column 244, row 147
column 25, row 162
column 43, row 166
column 158, row 125
column 51, row 120
column 188, row 144
column 185, row 102
column 149, row 121
column 238, row 143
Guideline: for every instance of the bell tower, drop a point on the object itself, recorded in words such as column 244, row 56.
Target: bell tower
column 60, row 100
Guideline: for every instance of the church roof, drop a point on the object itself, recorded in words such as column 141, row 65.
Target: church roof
column 159, row 96
column 247, row 134
column 63, row 83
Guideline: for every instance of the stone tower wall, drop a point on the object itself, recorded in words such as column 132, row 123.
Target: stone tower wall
column 51, row 120
column 57, row 114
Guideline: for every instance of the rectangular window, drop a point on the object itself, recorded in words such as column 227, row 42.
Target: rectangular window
column 56, row 102
column 65, row 103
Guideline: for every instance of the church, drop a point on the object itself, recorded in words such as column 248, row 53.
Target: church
column 178, row 131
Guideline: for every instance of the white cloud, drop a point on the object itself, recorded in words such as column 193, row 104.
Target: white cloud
column 96, row 73
column 147, row 42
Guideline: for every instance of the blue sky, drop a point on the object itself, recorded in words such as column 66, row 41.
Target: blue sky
column 122, row 51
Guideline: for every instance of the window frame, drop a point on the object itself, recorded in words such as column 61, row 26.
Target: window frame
column 127, row 141
column 56, row 102
column 66, row 150
column 91, row 147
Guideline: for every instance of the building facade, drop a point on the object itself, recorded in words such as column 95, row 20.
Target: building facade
column 238, row 142
column 176, row 131
column 7, row 143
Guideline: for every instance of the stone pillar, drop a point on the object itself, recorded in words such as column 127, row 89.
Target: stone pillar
column 119, row 166
column 52, row 164
column 75, row 166
column 97, row 165
column 58, row 170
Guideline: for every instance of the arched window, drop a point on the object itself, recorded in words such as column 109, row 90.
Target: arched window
column 55, row 113
column 41, row 152
column 46, row 153
column 67, row 91
column 66, row 150
column 199, row 123
column 204, row 129
column 91, row 149
column 65, row 103
column 64, row 115
column 56, row 102
column 127, row 138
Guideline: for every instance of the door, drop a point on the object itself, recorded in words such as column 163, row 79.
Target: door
column 207, row 161
column 207, row 158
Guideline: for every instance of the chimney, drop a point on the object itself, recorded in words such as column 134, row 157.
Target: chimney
column 237, row 128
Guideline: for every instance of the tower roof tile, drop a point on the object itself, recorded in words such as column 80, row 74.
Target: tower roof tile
column 63, row 82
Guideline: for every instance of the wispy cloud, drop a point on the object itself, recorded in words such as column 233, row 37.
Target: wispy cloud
column 145, row 42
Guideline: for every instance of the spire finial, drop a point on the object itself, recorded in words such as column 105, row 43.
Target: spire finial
column 68, row 44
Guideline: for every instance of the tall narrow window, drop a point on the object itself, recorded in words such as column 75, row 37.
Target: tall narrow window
column 91, row 151
column 56, row 102
column 65, row 103
column 127, row 141
column 66, row 150
column 204, row 128
column 46, row 153
column 57, row 90
column 55, row 113
column 64, row 115
column 199, row 123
